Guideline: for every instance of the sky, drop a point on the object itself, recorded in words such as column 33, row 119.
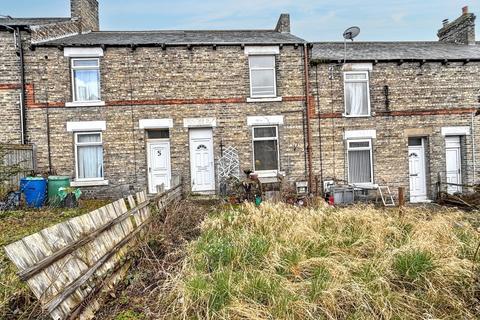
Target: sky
column 313, row 20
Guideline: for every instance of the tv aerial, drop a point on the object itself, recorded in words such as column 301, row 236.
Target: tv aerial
column 349, row 34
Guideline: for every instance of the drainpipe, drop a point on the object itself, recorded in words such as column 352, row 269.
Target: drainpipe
column 308, row 105
column 319, row 128
column 23, row 119
column 473, row 147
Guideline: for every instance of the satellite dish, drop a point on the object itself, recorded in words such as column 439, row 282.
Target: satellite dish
column 351, row 33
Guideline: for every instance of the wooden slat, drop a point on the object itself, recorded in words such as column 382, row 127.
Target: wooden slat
column 69, row 262
column 30, row 269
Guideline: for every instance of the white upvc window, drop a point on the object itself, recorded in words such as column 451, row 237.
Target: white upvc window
column 265, row 148
column 357, row 94
column 88, row 156
column 360, row 164
column 85, row 79
column 263, row 83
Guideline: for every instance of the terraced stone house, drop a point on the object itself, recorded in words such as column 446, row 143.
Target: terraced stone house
column 399, row 114
column 118, row 111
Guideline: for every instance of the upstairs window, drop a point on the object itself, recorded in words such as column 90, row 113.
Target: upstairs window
column 357, row 94
column 262, row 76
column 265, row 148
column 360, row 168
column 85, row 79
column 89, row 156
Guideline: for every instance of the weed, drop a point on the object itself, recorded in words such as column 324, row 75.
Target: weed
column 413, row 265
column 129, row 315
column 319, row 282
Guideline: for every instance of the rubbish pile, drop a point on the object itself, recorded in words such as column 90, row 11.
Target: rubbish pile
column 467, row 201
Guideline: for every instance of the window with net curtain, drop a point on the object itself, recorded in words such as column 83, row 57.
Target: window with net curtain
column 265, row 148
column 359, row 161
column 262, row 76
column 86, row 80
column 357, row 100
column 89, row 152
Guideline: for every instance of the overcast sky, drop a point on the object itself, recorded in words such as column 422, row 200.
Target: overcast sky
column 311, row 19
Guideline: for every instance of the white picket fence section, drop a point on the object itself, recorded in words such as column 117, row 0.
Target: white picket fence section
column 68, row 264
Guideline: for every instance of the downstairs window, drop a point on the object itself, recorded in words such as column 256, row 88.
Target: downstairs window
column 360, row 167
column 89, row 156
column 265, row 148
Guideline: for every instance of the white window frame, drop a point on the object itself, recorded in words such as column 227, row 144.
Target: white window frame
column 345, row 81
column 272, row 171
column 88, row 144
column 274, row 75
column 74, row 88
column 369, row 148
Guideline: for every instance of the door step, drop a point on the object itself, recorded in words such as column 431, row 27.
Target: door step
column 203, row 196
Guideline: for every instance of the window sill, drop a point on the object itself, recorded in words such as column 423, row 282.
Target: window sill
column 269, row 173
column 365, row 185
column 85, row 104
column 89, row 183
column 272, row 99
column 349, row 116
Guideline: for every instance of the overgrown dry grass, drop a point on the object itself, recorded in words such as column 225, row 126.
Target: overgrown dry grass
column 158, row 257
column 282, row 262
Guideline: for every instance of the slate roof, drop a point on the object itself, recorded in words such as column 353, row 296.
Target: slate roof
column 370, row 51
column 176, row 37
column 24, row 22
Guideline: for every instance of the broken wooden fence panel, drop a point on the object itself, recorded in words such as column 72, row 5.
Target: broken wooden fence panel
column 67, row 264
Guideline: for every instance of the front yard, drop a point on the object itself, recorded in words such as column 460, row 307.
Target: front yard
column 282, row 262
column 277, row 261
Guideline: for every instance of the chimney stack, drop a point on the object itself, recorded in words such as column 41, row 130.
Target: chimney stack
column 86, row 12
column 283, row 24
column 461, row 30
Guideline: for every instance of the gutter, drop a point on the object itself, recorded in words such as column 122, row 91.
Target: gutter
column 308, row 106
column 165, row 45
column 398, row 61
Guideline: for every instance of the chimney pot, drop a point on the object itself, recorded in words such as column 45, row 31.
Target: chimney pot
column 465, row 10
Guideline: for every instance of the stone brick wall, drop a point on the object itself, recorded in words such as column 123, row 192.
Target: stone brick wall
column 86, row 11
column 423, row 99
column 174, row 83
column 10, row 131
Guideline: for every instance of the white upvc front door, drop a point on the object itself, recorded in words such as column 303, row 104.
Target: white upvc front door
column 416, row 163
column 201, row 160
column 453, row 157
column 158, row 160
